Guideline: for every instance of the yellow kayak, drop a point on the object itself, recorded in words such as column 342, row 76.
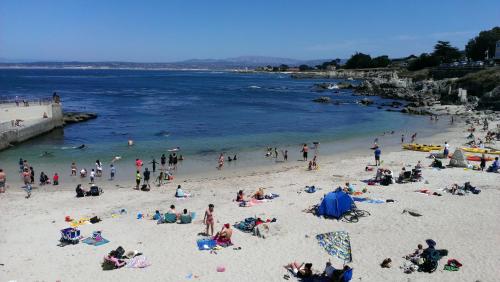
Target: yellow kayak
column 422, row 147
column 481, row 151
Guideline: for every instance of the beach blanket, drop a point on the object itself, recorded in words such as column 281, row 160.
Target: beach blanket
column 81, row 221
column 94, row 242
column 336, row 244
column 368, row 200
column 138, row 262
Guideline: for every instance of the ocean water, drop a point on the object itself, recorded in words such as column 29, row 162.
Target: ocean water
column 202, row 112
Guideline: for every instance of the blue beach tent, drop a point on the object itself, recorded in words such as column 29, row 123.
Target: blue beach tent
column 335, row 204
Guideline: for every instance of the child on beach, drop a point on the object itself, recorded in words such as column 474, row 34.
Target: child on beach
column 73, row 169
column 92, row 176
column 137, row 179
column 98, row 167
column 55, row 179
column 112, row 172
column 3, row 179
column 209, row 219
column 221, row 161
column 377, row 153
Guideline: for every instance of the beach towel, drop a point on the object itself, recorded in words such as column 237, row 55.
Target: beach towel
column 368, row 200
column 94, row 241
column 206, row 244
column 138, row 262
column 336, row 244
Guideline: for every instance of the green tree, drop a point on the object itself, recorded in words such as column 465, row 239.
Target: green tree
column 476, row 48
column 283, row 67
column 445, row 52
column 359, row 61
column 304, row 68
column 381, row 62
column 424, row 61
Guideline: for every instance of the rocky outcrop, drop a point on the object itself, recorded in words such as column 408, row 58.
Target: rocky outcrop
column 323, row 99
column 75, row 117
column 491, row 100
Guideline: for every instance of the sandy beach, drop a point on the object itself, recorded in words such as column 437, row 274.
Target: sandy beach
column 466, row 226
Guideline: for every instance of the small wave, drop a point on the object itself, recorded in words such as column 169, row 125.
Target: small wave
column 254, row 87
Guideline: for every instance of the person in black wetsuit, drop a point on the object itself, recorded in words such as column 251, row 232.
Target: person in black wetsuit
column 154, row 162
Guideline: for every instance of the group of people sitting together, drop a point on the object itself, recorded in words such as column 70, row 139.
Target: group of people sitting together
column 463, row 190
column 410, row 175
column 425, row 260
column 93, row 191
column 259, row 194
column 313, row 165
column 330, row 274
column 172, row 216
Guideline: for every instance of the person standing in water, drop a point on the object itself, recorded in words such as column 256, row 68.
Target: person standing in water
column 163, row 161
column 146, row 177
column 154, row 162
column 285, row 155
column 221, row 160
column 304, row 151
column 402, row 138
column 3, row 180
column 112, row 171
column 73, row 169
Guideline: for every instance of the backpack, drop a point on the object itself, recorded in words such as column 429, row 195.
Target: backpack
column 94, row 191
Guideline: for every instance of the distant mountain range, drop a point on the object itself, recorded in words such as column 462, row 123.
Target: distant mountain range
column 229, row 63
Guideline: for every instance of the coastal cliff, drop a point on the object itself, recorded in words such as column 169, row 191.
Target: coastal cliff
column 482, row 88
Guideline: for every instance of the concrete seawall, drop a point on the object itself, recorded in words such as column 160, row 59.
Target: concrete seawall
column 33, row 123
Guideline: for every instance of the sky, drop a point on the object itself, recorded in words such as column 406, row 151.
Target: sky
column 174, row 30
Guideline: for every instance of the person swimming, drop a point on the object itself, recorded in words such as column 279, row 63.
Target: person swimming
column 80, row 147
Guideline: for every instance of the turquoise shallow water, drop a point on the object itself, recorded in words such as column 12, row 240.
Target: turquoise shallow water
column 203, row 113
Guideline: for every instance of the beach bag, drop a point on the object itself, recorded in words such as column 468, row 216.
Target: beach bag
column 145, row 188
column 94, row 220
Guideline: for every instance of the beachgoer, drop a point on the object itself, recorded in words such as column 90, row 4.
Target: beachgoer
column 310, row 166
column 112, row 171
column 160, row 178
column 3, row 180
column 446, row 151
column 55, row 179
column 402, row 138
column 494, row 166
column 276, row 153
column 27, row 182
column 130, row 142
column 285, row 156
column 138, row 164
column 154, row 162
column 185, row 217
column 314, row 163
column 483, row 162
column 146, row 174
column 209, row 219
column 73, row 169
column 240, row 196
column 92, row 176
column 413, row 137
column 21, row 165
column 234, row 158
column 221, row 161
column 170, row 160
column 172, row 210
column 98, row 168
column 259, row 194
column 137, row 179
column 79, row 191
column 229, row 159
column 224, row 235
column 377, row 154
column 304, row 151
column 303, row 270
column 163, row 161
column 179, row 193
column 174, row 160
column 44, row 179
column 32, row 175
column 83, row 173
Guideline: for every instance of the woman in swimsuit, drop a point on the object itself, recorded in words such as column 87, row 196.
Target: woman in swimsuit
column 209, row 219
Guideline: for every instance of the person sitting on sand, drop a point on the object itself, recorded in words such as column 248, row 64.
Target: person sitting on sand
column 310, row 166
column 303, row 270
column 454, row 188
column 172, row 210
column 494, row 166
column 348, row 188
column 179, row 193
column 185, row 217
column 44, row 179
column 259, row 194
column 240, row 196
column 224, row 236
column 418, row 165
column 80, row 192
column 416, row 254
column 83, row 173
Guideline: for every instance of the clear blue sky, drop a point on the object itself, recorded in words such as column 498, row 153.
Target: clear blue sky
column 170, row 30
